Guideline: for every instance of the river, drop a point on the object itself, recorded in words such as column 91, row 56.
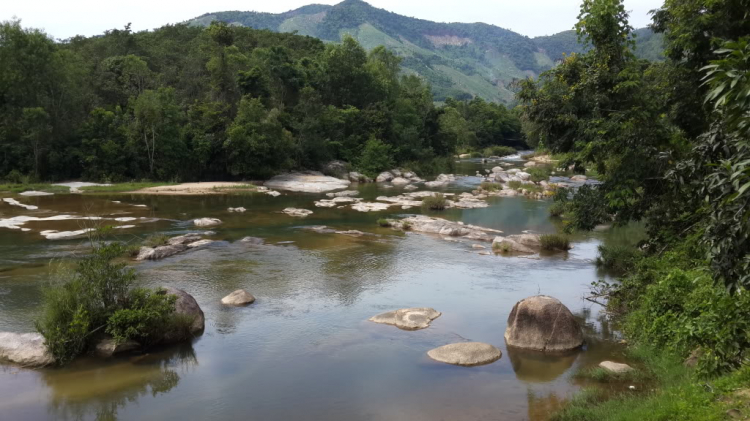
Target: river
column 304, row 349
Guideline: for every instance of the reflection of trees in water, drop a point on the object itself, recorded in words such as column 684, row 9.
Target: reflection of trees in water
column 91, row 388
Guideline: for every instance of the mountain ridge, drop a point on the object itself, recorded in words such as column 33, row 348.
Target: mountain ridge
column 459, row 60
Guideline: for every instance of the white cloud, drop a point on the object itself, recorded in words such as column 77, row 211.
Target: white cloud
column 63, row 19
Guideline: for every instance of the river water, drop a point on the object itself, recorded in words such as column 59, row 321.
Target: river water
column 305, row 349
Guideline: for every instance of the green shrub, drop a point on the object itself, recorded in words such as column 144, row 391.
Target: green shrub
column 132, row 250
column 143, row 318
column 97, row 297
column 618, row 258
column 376, row 157
column 476, row 154
column 156, row 240
column 498, row 151
column 406, row 225
column 539, row 173
column 384, row 222
column 435, row 202
column 555, row 242
column 490, row 186
column 557, row 209
column 515, row 185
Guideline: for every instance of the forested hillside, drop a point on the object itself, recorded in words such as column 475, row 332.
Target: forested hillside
column 459, row 60
column 220, row 102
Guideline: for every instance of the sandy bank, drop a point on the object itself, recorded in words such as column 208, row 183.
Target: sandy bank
column 187, row 189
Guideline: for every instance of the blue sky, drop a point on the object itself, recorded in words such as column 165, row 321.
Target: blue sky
column 63, row 19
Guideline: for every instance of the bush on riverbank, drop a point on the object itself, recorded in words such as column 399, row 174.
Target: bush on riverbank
column 618, row 258
column 498, row 151
column 487, row 186
column 434, row 202
column 97, row 297
column 552, row 242
column 539, row 173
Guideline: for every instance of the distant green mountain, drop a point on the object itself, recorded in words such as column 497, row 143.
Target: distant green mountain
column 460, row 60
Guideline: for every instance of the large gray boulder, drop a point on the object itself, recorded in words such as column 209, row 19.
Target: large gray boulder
column 426, row 224
column 206, row 222
column 187, row 306
column 26, row 349
column 339, row 169
column 408, row 318
column 238, row 298
column 543, row 323
column 520, row 243
column 466, row 354
column 384, row 177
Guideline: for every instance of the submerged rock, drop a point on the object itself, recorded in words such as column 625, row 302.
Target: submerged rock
column 26, row 349
column 345, row 193
column 238, row 298
column 255, row 241
column 520, row 243
column 186, row 306
column 426, row 224
column 238, row 210
column 543, row 323
column 370, row 206
column 614, row 367
column 300, row 213
column 199, row 243
column 108, row 347
column 206, row 222
column 311, row 182
column 14, row 202
column 408, row 318
column 466, row 354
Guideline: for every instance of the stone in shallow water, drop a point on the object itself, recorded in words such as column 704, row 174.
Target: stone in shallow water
column 26, row 349
column 306, row 182
column 199, row 243
column 255, row 241
column 108, row 347
column 614, row 367
column 206, row 222
column 543, row 323
column 185, row 305
column 408, row 318
column 238, row 298
column 466, row 354
column 300, row 213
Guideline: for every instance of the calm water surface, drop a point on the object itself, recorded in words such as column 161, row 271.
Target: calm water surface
column 305, row 349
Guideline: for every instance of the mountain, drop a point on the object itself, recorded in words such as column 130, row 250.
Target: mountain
column 459, row 60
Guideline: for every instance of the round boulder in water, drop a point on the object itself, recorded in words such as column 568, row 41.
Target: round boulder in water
column 466, row 354
column 238, row 298
column 543, row 323
column 408, row 318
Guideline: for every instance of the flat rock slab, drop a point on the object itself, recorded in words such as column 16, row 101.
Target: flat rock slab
column 466, row 354
column 238, row 298
column 307, row 183
column 408, row 318
column 26, row 349
column 206, row 222
column 614, row 367
column 299, row 213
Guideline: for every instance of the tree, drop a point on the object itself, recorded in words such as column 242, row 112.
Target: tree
column 156, row 123
column 35, row 128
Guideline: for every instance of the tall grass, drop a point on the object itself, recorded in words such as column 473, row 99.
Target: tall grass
column 488, row 186
column 434, row 202
column 552, row 242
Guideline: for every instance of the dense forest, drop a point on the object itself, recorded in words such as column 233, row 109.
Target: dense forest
column 669, row 141
column 221, row 102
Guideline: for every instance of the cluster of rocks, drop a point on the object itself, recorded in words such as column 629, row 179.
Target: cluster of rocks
column 538, row 323
column 504, row 177
column 298, row 213
column 307, row 182
column 339, row 201
column 426, row 224
column 322, row 229
column 175, row 245
column 519, row 243
column 441, row 180
column 398, row 177
column 414, row 199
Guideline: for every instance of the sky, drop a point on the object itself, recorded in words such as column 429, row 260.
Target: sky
column 64, row 19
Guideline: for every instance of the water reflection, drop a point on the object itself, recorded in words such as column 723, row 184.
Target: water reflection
column 85, row 390
column 540, row 367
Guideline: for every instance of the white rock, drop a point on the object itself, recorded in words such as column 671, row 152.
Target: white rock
column 199, row 243
column 238, row 210
column 300, row 213
column 345, row 193
column 408, row 318
column 384, row 177
column 615, row 367
column 36, row 193
column 26, row 349
column 400, row 181
column 14, row 202
column 370, row 206
column 311, row 182
column 206, row 222
column 238, row 298
column 466, row 354
column 58, row 235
